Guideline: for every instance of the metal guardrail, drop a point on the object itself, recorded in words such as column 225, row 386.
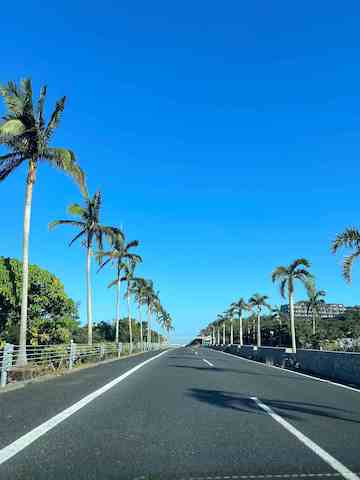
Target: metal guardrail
column 47, row 358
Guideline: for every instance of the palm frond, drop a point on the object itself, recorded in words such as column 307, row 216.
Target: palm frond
column 299, row 261
column 349, row 238
column 26, row 87
column 347, row 265
column 96, row 202
column 302, row 275
column 77, row 236
column 40, row 107
column 282, row 287
column 13, row 99
column 114, row 235
column 10, row 129
column 55, row 117
column 8, row 163
column 76, row 210
column 74, row 223
column 133, row 243
column 279, row 273
column 100, row 256
column 114, row 282
column 310, row 286
column 65, row 160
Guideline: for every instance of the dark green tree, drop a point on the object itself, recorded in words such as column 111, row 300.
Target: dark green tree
column 52, row 315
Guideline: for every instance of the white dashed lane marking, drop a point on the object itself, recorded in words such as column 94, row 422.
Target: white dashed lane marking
column 314, row 447
column 209, row 363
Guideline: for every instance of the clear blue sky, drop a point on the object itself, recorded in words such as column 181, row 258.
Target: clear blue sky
column 225, row 136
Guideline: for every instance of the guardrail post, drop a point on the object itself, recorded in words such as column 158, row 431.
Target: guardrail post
column 119, row 349
column 6, row 363
column 102, row 350
column 72, row 354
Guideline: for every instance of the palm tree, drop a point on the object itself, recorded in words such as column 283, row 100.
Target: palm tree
column 91, row 230
column 239, row 307
column 125, row 262
column 286, row 277
column 138, row 286
column 230, row 315
column 349, row 238
column 314, row 302
column 278, row 315
column 131, row 260
column 221, row 321
column 150, row 298
column 165, row 320
column 258, row 301
column 27, row 136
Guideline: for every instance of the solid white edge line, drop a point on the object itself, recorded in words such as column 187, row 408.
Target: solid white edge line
column 285, row 370
column 329, row 459
column 25, row 440
column 209, row 363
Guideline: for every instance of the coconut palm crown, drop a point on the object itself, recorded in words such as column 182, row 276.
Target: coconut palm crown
column 258, row 302
column 286, row 277
column 349, row 238
column 314, row 302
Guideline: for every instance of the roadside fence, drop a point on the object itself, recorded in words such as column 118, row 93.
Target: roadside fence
column 43, row 359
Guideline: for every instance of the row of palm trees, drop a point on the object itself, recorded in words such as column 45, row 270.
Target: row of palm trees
column 286, row 277
column 26, row 135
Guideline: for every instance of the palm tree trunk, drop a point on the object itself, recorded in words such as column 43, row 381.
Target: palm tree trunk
column 224, row 340
column 149, row 326
column 218, row 335
column 258, row 331
column 117, row 318
column 231, row 333
column 88, row 291
column 129, row 319
column 313, row 323
column 292, row 322
column 254, row 329
column 141, row 328
column 21, row 358
column 241, row 330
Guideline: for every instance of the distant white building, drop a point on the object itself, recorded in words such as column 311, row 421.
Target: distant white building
column 326, row 310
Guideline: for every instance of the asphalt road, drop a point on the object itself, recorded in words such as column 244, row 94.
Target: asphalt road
column 180, row 417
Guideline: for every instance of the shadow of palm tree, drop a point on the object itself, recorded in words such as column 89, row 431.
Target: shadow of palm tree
column 286, row 408
column 233, row 370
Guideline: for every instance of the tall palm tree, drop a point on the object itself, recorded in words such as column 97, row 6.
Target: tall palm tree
column 230, row 315
column 27, row 136
column 150, row 298
column 138, row 286
column 238, row 307
column 131, row 261
column 91, row 231
column 314, row 302
column 124, row 261
column 165, row 320
column 278, row 315
column 259, row 302
column 221, row 321
column 251, row 330
column 349, row 238
column 286, row 276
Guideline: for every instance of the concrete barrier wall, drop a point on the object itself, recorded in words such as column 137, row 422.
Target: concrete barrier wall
column 340, row 366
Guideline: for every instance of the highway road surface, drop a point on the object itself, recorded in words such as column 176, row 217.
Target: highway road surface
column 188, row 413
